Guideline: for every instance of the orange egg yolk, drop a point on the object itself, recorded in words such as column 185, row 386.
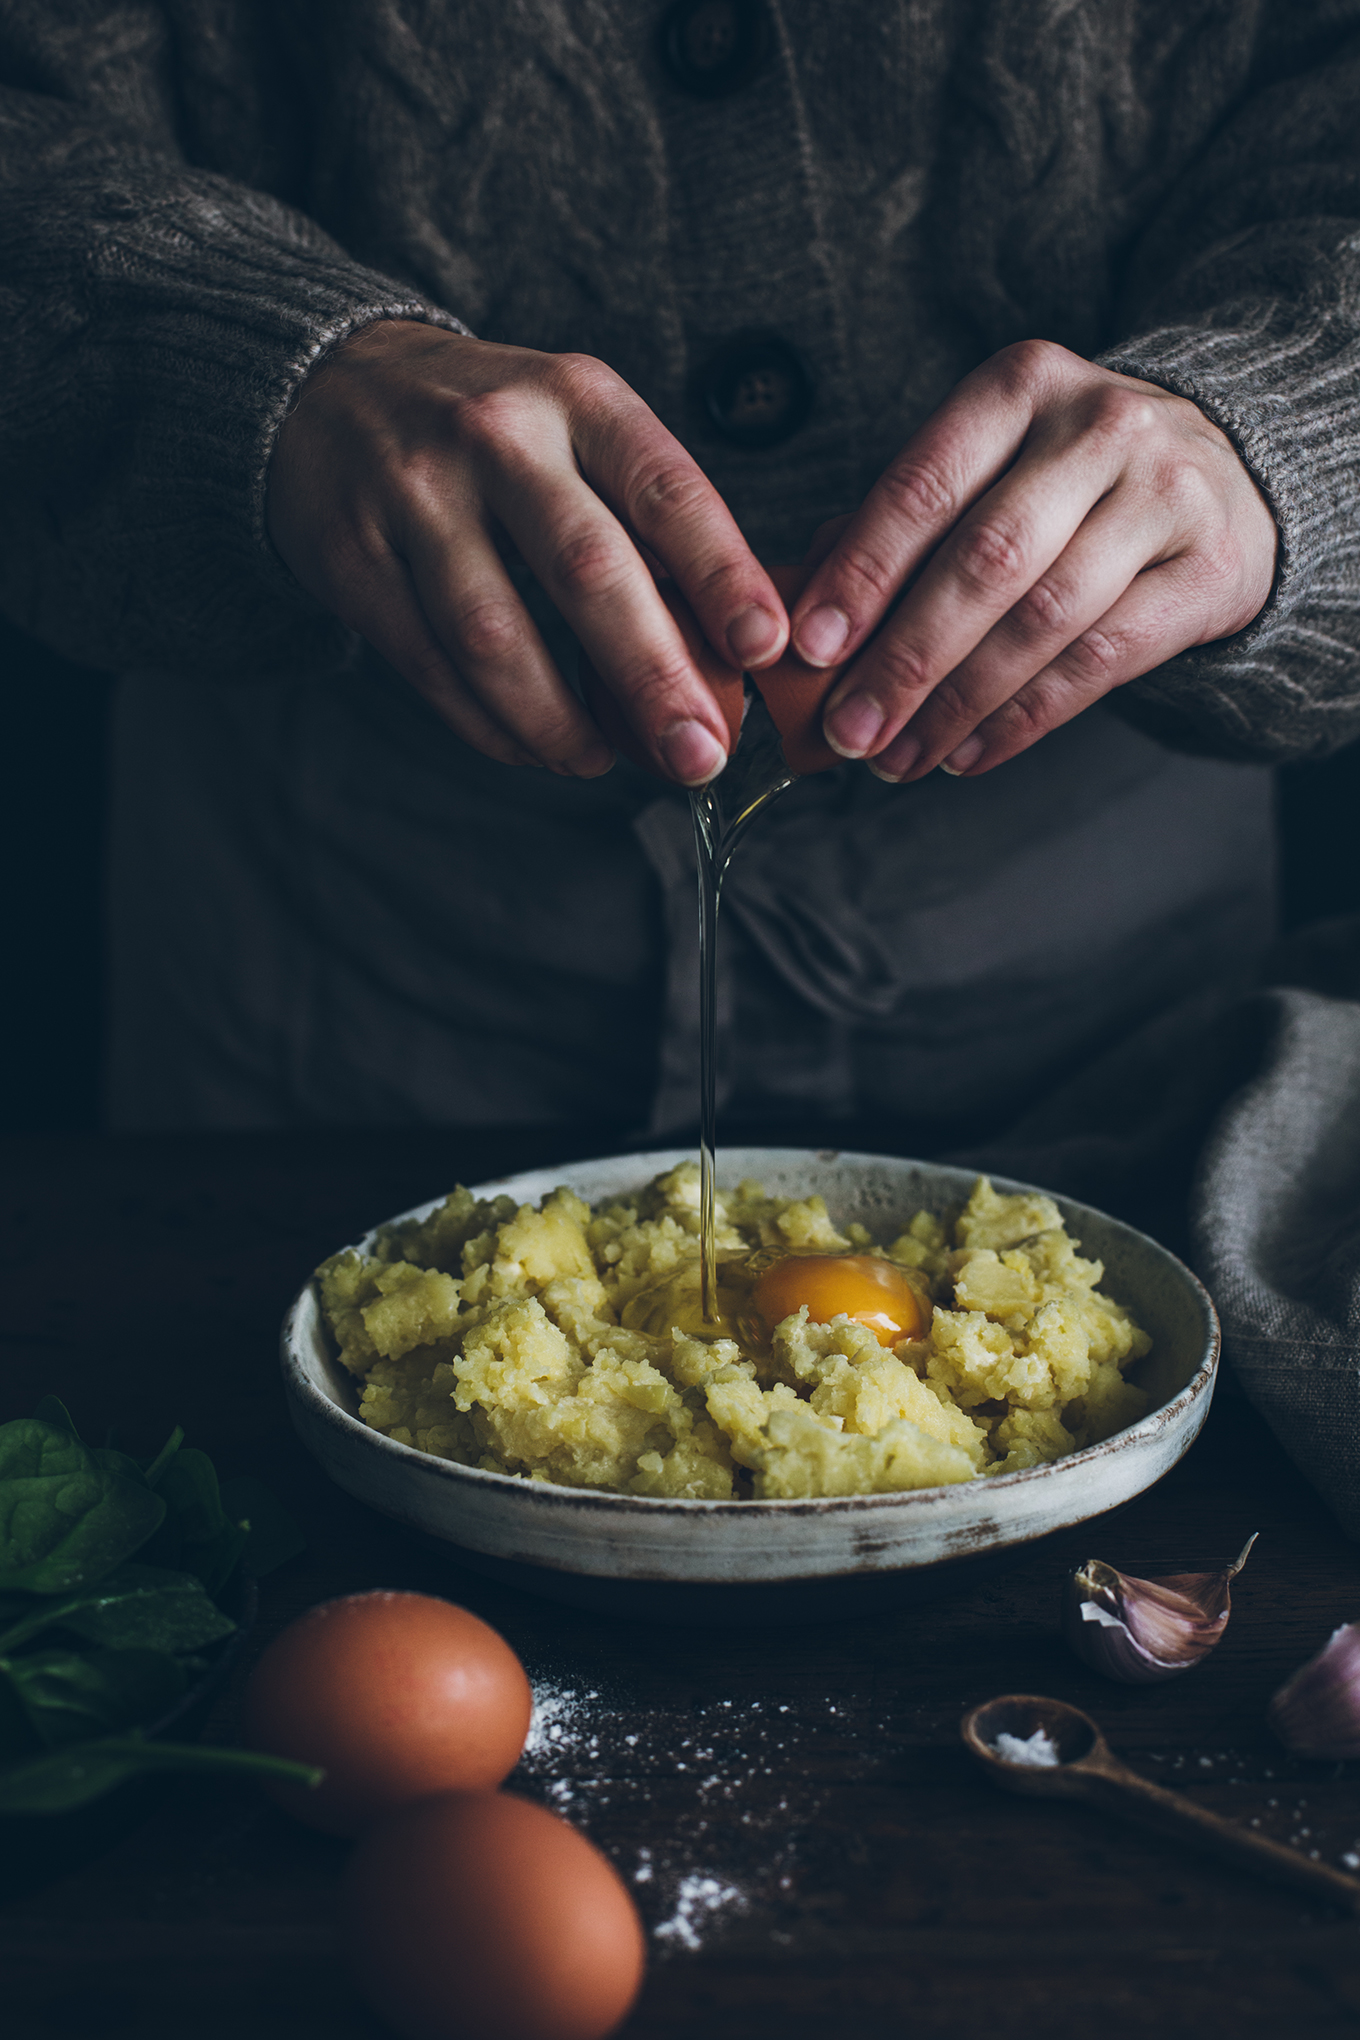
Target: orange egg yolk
column 860, row 1286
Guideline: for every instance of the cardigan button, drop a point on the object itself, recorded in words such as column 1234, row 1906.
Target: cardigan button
column 756, row 390
column 713, row 47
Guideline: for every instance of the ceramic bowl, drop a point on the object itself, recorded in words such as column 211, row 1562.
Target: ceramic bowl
column 745, row 1559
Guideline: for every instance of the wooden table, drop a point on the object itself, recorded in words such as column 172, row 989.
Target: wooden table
column 817, row 1857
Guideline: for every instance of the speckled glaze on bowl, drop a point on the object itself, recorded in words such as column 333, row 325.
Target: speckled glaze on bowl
column 763, row 1560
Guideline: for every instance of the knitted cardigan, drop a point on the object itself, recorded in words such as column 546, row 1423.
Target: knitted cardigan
column 200, row 197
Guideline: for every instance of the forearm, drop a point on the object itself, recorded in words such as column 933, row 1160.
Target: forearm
column 158, row 324
column 1245, row 298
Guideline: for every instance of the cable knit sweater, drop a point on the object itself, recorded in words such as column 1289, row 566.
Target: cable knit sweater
column 201, row 196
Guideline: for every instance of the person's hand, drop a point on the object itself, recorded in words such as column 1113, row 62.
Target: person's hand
column 1057, row 530
column 414, row 453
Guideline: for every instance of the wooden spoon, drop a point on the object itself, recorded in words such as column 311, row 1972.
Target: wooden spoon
column 1087, row 1770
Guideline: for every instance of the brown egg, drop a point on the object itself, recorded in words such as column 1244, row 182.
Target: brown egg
column 480, row 1916
column 395, row 1696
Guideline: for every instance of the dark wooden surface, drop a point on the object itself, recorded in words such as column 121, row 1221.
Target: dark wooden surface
column 874, row 1884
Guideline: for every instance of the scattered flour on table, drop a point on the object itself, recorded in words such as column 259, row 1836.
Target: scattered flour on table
column 559, row 1715
column 731, row 1847
column 698, row 1898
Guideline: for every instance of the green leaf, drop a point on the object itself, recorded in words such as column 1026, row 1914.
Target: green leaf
column 18, row 1737
column 70, row 1696
column 196, row 1535
column 167, row 1452
column 53, row 1411
column 272, row 1537
column 138, row 1607
column 69, row 1778
column 68, row 1515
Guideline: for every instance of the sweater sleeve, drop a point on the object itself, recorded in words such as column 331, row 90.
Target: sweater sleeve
column 156, row 322
column 1244, row 296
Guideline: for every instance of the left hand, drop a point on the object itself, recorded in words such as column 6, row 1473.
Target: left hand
column 1053, row 531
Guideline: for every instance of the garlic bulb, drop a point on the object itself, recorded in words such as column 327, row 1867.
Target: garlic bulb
column 1138, row 1631
column 1317, row 1712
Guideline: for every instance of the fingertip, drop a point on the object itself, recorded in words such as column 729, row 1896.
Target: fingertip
column 853, row 725
column 820, row 637
column 691, row 753
column 963, row 757
column 756, row 636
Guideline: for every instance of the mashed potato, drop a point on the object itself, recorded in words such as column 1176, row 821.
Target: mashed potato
column 567, row 1345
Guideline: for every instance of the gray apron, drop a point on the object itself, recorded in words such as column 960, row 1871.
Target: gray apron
column 326, row 909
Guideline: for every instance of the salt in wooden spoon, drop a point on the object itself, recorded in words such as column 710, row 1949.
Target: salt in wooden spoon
column 1087, row 1770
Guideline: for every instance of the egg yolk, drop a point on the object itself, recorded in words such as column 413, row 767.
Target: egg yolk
column 860, row 1286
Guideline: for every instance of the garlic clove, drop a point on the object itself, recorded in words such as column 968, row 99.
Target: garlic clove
column 1139, row 1631
column 1317, row 1712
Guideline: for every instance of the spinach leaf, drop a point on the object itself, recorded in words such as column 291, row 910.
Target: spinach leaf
column 94, row 1645
column 196, row 1535
column 272, row 1537
column 156, row 1467
column 71, row 1695
column 137, row 1607
column 51, row 1410
column 68, row 1515
column 66, row 1778
column 18, row 1737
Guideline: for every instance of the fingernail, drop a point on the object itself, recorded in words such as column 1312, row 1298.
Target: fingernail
column 896, row 761
column 962, row 756
column 692, row 754
column 821, row 635
column 751, row 633
column 853, row 725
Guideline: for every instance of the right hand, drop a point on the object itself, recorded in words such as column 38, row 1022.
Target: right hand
column 413, row 452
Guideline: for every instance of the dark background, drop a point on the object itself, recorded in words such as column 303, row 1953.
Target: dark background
column 52, row 819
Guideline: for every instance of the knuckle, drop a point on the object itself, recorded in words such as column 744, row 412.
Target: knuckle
column 652, row 689
column 426, row 667
column 950, row 706
column 556, row 734
column 905, row 666
column 863, row 581
column 1094, row 658
column 660, row 490
column 489, row 631
column 581, row 379
column 1026, row 363
column 1221, row 560
column 1030, row 714
column 485, row 421
column 1125, row 414
column 588, row 566
column 1182, row 484
column 920, row 491
column 990, row 555
column 1043, row 610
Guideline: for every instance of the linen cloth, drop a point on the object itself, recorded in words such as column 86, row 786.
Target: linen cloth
column 1230, row 1130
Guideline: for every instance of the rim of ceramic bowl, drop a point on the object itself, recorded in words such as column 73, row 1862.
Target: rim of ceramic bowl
column 547, row 1495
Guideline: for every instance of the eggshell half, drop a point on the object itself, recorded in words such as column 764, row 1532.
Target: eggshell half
column 795, row 694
